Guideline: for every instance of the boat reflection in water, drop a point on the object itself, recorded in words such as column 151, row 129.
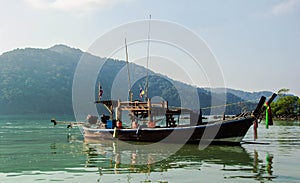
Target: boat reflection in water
column 117, row 157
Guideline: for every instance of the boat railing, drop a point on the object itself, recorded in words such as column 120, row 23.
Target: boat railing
column 141, row 105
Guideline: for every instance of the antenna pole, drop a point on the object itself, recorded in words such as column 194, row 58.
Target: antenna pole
column 148, row 52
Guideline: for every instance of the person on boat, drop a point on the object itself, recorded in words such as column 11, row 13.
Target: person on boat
column 151, row 124
column 134, row 124
column 119, row 124
column 104, row 118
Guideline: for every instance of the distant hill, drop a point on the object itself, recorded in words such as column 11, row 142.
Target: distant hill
column 249, row 95
column 36, row 81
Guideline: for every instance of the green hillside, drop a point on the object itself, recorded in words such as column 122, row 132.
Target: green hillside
column 39, row 81
column 36, row 81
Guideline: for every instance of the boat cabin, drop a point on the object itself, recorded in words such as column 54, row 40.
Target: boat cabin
column 146, row 114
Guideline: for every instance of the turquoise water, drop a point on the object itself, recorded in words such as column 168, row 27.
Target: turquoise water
column 32, row 150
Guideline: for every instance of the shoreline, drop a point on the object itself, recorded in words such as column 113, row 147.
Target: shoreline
column 283, row 118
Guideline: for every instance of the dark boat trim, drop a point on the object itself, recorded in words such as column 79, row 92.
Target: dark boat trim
column 230, row 131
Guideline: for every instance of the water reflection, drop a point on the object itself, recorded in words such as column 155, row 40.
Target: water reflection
column 30, row 151
column 260, row 171
column 115, row 157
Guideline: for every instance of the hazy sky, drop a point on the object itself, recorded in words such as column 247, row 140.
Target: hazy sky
column 256, row 42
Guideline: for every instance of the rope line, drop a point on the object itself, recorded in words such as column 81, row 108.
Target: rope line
column 231, row 104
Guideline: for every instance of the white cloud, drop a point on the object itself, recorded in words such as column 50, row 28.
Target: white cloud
column 286, row 6
column 77, row 6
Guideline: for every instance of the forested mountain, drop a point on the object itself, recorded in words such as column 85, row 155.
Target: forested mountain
column 35, row 81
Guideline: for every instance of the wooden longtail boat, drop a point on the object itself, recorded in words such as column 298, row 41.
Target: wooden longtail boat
column 143, row 125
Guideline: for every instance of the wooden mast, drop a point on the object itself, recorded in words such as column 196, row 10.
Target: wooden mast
column 127, row 63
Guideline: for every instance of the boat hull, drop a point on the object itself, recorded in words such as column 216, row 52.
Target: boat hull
column 225, row 132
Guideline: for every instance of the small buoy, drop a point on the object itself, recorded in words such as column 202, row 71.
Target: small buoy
column 53, row 121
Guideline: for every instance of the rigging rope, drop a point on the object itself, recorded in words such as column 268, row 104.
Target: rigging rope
column 236, row 103
column 230, row 104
